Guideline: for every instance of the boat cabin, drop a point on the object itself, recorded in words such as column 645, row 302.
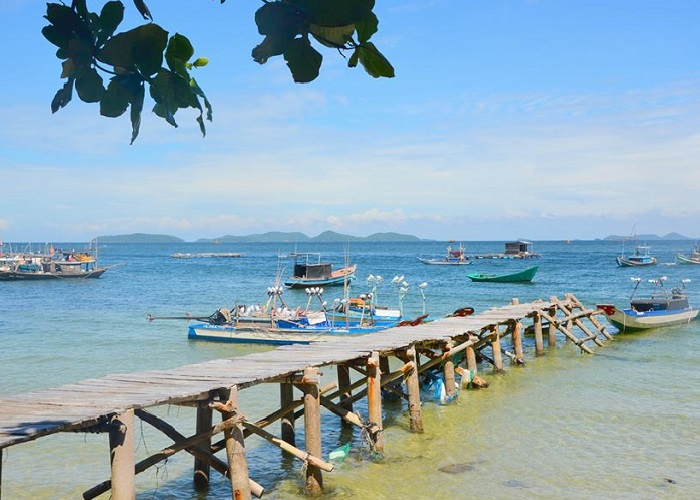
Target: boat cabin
column 520, row 248
column 309, row 266
column 663, row 302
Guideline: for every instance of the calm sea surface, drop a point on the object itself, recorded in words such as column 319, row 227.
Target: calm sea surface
column 623, row 423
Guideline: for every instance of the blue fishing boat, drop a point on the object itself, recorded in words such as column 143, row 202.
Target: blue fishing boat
column 660, row 309
column 641, row 257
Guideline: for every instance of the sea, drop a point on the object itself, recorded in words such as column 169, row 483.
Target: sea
column 621, row 423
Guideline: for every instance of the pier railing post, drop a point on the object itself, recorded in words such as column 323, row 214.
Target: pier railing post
column 374, row 400
column 202, row 469
column 312, row 429
column 235, row 447
column 123, row 466
column 287, row 420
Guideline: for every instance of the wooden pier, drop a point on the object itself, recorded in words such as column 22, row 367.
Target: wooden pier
column 456, row 347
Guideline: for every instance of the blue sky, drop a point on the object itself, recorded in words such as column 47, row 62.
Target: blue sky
column 506, row 119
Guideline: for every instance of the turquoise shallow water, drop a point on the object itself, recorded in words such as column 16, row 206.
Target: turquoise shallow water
column 622, row 423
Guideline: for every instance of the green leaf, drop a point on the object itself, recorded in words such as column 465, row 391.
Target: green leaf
column 374, row 62
column 116, row 98
column 140, row 48
column 200, row 62
column 276, row 17
column 366, row 27
column 80, row 7
column 337, row 12
column 67, row 68
column 198, row 91
column 178, row 52
column 136, row 109
column 303, row 60
column 354, row 58
column 63, row 96
column 54, row 35
column 272, row 45
column 335, row 37
column 170, row 92
column 80, row 51
column 141, row 6
column 89, row 86
column 111, row 16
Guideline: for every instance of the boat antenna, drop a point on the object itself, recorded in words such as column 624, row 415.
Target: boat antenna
column 638, row 281
column 421, row 287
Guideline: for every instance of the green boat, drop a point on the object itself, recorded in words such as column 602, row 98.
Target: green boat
column 524, row 276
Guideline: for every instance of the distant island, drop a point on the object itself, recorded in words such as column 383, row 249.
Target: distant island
column 270, row 237
column 648, row 237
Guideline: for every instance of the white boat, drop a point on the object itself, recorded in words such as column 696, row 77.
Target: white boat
column 693, row 258
column 452, row 258
column 660, row 309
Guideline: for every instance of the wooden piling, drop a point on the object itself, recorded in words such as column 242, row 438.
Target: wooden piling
column 374, row 401
column 448, row 369
column 552, row 330
column 287, row 420
column 121, row 444
column 312, row 429
column 539, row 342
column 235, row 447
column 517, row 338
column 344, row 382
column 202, row 469
column 413, row 388
column 496, row 348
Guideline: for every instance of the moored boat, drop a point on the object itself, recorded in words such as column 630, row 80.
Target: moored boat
column 524, row 276
column 309, row 274
column 641, row 257
column 660, row 309
column 693, row 258
column 452, row 258
column 52, row 264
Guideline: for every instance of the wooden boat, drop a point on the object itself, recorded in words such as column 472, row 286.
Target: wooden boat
column 312, row 274
column 452, row 258
column 693, row 258
column 524, row 276
column 640, row 257
column 51, row 265
column 659, row 310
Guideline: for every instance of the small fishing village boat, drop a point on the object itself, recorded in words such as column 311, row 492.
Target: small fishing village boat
column 640, row 257
column 52, row 264
column 658, row 310
column 524, row 276
column 693, row 258
column 311, row 274
column 452, row 258
column 222, row 255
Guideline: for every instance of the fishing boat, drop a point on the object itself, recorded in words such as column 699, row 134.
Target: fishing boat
column 693, row 258
column 524, row 276
column 309, row 271
column 660, row 309
column 640, row 257
column 452, row 258
column 52, row 264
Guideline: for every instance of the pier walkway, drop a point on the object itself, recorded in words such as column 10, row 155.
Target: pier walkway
column 108, row 404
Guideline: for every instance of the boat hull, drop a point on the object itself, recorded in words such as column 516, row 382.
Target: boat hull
column 524, row 276
column 682, row 259
column 274, row 336
column 623, row 262
column 444, row 262
column 630, row 320
column 46, row 276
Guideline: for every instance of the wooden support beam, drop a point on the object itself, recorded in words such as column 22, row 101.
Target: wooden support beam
column 413, row 388
column 496, row 348
column 448, row 369
column 123, row 466
column 517, row 338
column 344, row 381
column 569, row 335
column 347, row 416
column 235, row 447
column 539, row 342
column 374, row 401
column 600, row 327
column 201, row 467
column 292, row 450
column 552, row 327
column 287, row 419
column 312, row 429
